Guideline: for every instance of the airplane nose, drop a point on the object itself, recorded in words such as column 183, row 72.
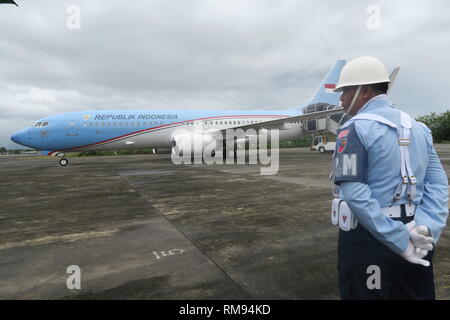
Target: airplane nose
column 18, row 137
column 15, row 138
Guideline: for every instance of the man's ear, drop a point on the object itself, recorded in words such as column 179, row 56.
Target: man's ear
column 366, row 91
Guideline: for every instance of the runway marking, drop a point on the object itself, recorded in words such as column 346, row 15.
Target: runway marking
column 169, row 253
column 63, row 238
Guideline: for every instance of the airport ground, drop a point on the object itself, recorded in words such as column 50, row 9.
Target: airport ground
column 140, row 227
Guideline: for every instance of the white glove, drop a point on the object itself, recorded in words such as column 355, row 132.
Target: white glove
column 421, row 253
column 420, row 238
column 415, row 256
column 413, row 253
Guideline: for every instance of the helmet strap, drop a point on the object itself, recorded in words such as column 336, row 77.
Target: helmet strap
column 353, row 100
column 351, row 104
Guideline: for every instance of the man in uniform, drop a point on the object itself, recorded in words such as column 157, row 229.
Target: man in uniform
column 391, row 189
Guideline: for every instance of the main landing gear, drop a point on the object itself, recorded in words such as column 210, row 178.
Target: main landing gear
column 63, row 162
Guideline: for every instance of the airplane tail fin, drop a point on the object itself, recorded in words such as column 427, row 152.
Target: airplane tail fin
column 324, row 93
column 392, row 77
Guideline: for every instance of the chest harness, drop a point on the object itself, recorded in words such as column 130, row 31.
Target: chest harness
column 340, row 213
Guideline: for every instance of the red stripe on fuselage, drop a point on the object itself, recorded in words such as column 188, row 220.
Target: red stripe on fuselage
column 148, row 129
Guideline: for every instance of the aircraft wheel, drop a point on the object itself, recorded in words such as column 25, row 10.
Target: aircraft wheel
column 63, row 162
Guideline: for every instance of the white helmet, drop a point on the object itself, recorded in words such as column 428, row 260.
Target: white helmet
column 361, row 71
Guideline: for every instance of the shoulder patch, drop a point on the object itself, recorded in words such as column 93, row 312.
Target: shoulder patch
column 341, row 144
column 350, row 158
column 343, row 133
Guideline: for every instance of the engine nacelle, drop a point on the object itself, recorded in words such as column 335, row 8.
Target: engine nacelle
column 193, row 143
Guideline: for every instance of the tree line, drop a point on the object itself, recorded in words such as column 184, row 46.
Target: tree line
column 439, row 124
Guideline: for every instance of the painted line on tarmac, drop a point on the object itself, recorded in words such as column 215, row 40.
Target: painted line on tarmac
column 63, row 238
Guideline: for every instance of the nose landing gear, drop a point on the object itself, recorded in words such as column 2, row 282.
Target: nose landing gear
column 63, row 162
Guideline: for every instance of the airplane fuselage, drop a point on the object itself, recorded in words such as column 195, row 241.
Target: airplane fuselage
column 135, row 129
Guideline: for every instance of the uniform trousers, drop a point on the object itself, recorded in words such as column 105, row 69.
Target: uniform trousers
column 399, row 279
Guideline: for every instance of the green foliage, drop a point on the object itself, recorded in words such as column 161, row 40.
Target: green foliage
column 16, row 151
column 304, row 142
column 13, row 151
column 110, row 153
column 439, row 125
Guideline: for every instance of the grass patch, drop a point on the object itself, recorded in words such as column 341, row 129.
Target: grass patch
column 109, row 153
column 304, row 142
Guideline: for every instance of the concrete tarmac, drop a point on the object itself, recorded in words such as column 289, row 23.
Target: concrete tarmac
column 140, row 227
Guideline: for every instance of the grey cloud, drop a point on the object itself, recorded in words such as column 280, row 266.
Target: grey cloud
column 204, row 54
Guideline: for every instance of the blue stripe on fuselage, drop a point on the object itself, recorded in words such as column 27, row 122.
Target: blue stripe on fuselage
column 77, row 130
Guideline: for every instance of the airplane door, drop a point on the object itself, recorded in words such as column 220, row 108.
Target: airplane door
column 72, row 128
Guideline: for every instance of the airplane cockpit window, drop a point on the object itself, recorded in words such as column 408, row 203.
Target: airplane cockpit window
column 40, row 124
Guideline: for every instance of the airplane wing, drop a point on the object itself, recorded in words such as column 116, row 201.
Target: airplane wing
column 280, row 123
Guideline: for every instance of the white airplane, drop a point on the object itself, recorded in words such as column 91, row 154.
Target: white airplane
column 137, row 129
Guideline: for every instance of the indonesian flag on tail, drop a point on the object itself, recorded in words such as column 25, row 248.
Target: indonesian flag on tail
column 329, row 87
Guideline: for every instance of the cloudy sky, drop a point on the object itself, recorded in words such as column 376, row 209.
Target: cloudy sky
column 210, row 54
